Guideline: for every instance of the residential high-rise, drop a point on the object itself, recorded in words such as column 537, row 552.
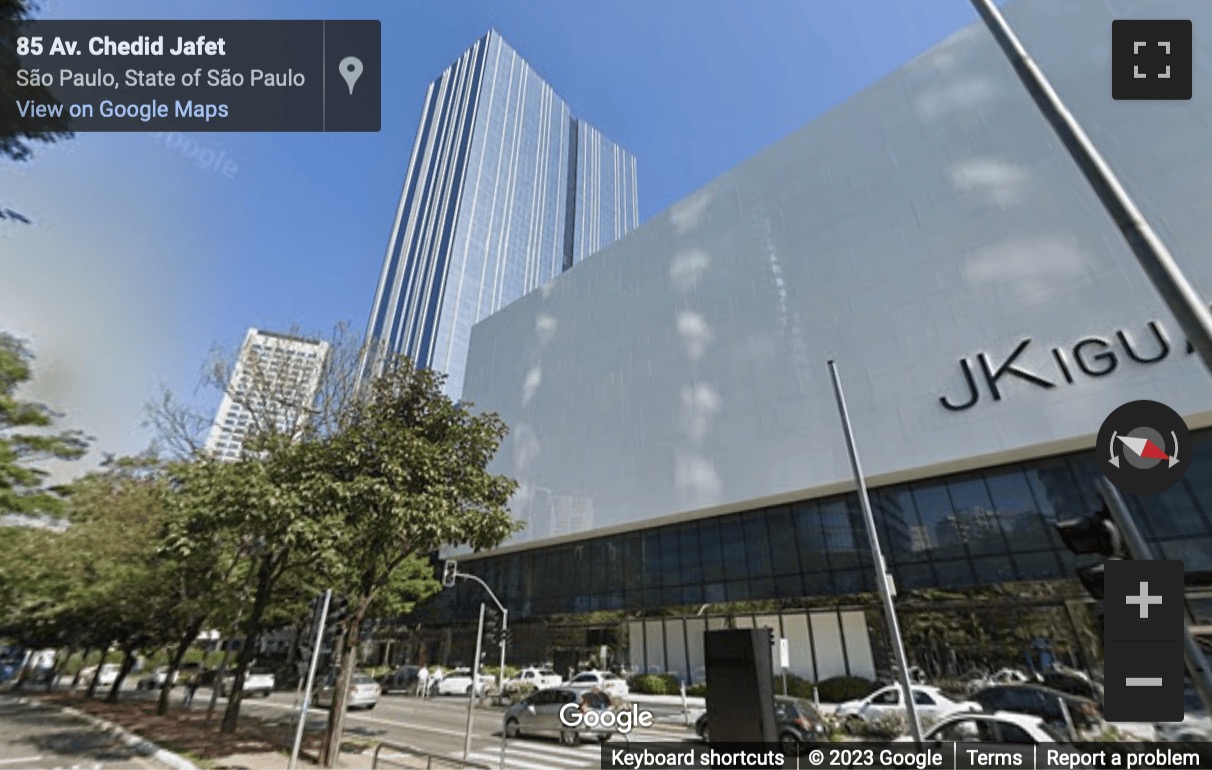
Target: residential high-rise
column 504, row 191
column 272, row 387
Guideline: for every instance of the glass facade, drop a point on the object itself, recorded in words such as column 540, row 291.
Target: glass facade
column 505, row 190
column 958, row 532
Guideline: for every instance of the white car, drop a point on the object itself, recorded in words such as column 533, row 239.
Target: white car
column 538, row 678
column 257, row 681
column 109, row 675
column 458, row 682
column 930, row 702
column 1001, row 727
column 603, row 680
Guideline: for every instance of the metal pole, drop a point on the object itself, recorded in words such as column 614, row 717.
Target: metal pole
column 501, row 677
column 475, row 674
column 877, row 558
column 1138, row 548
column 317, row 641
column 1159, row 265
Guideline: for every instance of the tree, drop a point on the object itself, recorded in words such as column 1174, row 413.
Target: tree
column 24, row 438
column 15, row 129
column 406, row 473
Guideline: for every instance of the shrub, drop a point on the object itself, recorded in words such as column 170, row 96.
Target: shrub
column 673, row 684
column 843, row 688
column 648, row 684
column 696, row 691
column 797, row 686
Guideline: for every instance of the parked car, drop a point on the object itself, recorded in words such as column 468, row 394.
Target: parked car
column 799, row 724
column 363, row 693
column 458, row 682
column 109, row 675
column 1196, row 726
column 1007, row 729
column 1042, row 702
column 404, row 678
column 858, row 715
column 1073, row 682
column 539, row 712
column 257, row 681
column 155, row 680
column 978, row 680
column 538, row 678
column 603, row 680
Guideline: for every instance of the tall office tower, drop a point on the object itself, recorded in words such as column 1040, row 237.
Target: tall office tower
column 504, row 191
column 273, row 387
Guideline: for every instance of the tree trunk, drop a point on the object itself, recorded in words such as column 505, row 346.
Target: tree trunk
column 128, row 662
column 57, row 669
column 252, row 630
column 174, row 665
column 83, row 660
column 347, row 660
column 92, row 684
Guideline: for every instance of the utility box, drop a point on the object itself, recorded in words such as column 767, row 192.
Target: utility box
column 740, row 689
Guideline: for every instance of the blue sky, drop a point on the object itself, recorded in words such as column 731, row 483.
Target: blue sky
column 140, row 261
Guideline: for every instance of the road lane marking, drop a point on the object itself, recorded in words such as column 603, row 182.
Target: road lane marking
column 488, row 757
column 394, row 723
column 20, row 759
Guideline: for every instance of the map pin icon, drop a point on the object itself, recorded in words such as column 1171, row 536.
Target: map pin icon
column 351, row 70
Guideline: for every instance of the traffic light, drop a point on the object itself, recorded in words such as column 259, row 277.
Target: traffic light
column 449, row 570
column 338, row 612
column 492, row 625
column 1093, row 534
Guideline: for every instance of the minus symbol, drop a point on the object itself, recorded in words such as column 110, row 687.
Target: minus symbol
column 1143, row 681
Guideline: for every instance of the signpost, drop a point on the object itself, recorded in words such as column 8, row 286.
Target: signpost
column 317, row 643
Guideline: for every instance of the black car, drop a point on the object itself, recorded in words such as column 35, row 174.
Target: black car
column 799, row 723
column 1043, row 702
column 1072, row 684
column 403, row 678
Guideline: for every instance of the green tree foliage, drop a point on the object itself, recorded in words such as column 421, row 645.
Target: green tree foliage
column 25, row 438
column 406, row 474
column 16, row 131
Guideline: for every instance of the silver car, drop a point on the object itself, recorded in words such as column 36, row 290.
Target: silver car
column 363, row 693
column 540, row 711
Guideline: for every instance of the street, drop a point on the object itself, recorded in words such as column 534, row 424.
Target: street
column 43, row 738
column 436, row 726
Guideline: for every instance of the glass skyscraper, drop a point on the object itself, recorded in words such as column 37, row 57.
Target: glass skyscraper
column 505, row 190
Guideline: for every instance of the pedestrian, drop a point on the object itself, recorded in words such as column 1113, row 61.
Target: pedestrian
column 422, row 682
column 191, row 687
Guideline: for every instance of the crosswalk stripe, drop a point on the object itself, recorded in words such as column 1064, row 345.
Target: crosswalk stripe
column 493, row 759
column 537, row 749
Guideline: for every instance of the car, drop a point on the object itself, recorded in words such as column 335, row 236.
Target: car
column 539, row 712
column 458, row 682
column 363, row 693
column 858, row 715
column 109, row 675
column 799, row 724
column 603, row 680
column 404, row 678
column 537, row 678
column 257, row 681
column 155, row 679
column 1196, row 726
column 1072, row 682
column 1004, row 728
column 978, row 680
column 1042, row 702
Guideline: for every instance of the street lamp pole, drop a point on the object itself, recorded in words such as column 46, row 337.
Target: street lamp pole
column 501, row 670
column 882, row 578
column 1176, row 291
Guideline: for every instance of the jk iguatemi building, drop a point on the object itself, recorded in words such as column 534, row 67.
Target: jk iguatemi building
column 673, row 425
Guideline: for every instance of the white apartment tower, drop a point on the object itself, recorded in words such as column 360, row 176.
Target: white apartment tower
column 272, row 388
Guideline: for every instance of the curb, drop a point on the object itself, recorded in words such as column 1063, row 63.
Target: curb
column 141, row 745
